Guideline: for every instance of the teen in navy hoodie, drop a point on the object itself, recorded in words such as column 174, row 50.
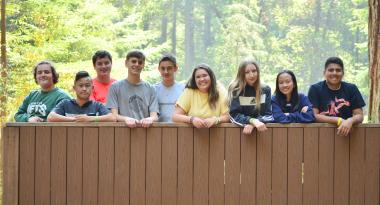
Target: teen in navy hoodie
column 249, row 100
column 289, row 106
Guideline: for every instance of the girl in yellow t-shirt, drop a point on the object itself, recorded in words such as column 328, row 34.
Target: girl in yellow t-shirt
column 203, row 103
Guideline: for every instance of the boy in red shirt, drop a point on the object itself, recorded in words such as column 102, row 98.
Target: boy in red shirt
column 102, row 62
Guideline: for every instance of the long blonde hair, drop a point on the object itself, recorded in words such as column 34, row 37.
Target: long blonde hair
column 237, row 86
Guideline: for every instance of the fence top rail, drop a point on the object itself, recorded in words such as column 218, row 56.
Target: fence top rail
column 162, row 124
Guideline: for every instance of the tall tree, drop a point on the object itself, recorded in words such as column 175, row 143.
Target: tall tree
column 4, row 75
column 164, row 29
column 374, row 59
column 189, row 36
column 174, row 28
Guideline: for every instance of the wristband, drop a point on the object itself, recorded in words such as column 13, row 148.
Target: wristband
column 339, row 121
column 191, row 119
column 252, row 120
column 217, row 120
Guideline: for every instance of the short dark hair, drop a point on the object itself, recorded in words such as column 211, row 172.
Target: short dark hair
column 54, row 73
column 168, row 57
column 101, row 54
column 335, row 60
column 136, row 54
column 80, row 75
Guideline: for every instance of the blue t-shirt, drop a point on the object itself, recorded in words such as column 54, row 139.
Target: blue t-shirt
column 71, row 108
column 167, row 97
column 337, row 103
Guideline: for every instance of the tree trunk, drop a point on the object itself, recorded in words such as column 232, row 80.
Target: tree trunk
column 164, row 29
column 315, row 59
column 189, row 36
column 207, row 38
column 4, row 75
column 174, row 28
column 374, row 59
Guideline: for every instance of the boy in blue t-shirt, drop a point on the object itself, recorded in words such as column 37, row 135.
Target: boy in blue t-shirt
column 168, row 90
column 335, row 101
column 81, row 109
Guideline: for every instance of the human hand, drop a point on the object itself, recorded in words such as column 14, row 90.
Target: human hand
column 35, row 119
column 209, row 122
column 199, row 123
column 131, row 122
column 146, row 122
column 304, row 109
column 259, row 125
column 248, row 129
column 345, row 127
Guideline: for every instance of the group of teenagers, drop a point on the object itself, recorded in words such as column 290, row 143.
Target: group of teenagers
column 202, row 101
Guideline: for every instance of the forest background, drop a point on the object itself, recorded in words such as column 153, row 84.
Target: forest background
column 298, row 35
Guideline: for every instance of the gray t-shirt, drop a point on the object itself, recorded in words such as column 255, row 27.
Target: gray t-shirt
column 135, row 101
column 167, row 97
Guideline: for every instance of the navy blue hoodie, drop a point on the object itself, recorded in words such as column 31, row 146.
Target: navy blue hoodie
column 294, row 116
column 243, row 107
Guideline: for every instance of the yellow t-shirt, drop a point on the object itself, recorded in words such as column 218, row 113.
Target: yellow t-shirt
column 195, row 103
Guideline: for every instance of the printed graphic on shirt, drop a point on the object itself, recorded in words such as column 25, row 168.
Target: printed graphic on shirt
column 249, row 101
column 136, row 104
column 335, row 106
column 37, row 108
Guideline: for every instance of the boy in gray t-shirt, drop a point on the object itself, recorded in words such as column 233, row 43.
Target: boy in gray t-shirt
column 168, row 90
column 132, row 100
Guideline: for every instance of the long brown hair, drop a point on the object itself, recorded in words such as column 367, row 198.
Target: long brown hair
column 237, row 86
column 213, row 94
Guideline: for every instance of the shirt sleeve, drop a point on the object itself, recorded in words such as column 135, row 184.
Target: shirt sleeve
column 63, row 96
column 267, row 115
column 305, row 117
column 60, row 108
column 184, row 100
column 313, row 96
column 223, row 101
column 278, row 115
column 22, row 112
column 153, row 104
column 102, row 109
column 112, row 97
column 236, row 113
column 357, row 100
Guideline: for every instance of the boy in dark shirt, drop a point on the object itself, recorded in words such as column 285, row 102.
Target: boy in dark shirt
column 81, row 109
column 335, row 101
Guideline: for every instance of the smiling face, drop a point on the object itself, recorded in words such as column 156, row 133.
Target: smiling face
column 167, row 70
column 103, row 67
column 250, row 74
column 134, row 65
column 83, row 88
column 202, row 80
column 286, row 84
column 333, row 75
column 44, row 76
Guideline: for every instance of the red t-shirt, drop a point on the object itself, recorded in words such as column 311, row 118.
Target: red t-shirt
column 100, row 91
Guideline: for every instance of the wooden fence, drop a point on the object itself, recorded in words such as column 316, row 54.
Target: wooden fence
column 296, row 164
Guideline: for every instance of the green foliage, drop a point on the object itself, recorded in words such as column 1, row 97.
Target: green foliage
column 297, row 35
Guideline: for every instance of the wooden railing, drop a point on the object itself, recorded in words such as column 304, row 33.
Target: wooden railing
column 57, row 163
